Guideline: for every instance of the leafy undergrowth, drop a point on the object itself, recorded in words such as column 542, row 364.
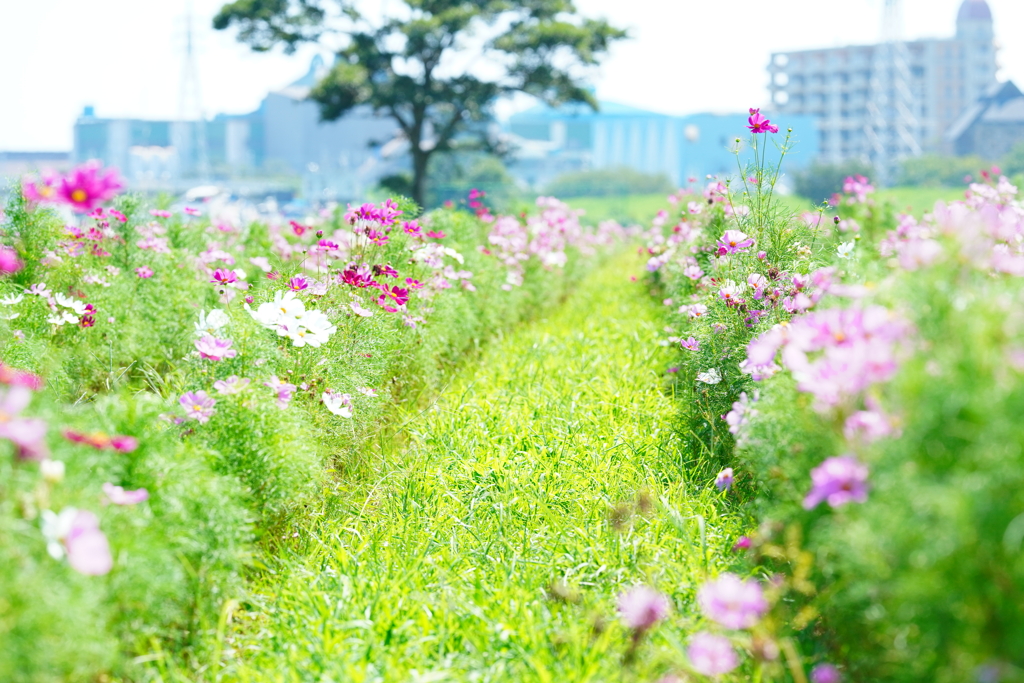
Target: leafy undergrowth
column 492, row 540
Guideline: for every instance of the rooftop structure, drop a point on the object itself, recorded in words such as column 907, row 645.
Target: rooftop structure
column 855, row 91
column 992, row 126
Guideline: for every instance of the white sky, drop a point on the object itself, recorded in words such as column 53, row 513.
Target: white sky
column 125, row 57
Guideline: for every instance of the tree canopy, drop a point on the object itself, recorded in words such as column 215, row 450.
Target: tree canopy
column 434, row 66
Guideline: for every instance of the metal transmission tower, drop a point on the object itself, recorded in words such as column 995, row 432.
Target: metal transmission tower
column 190, row 108
column 892, row 128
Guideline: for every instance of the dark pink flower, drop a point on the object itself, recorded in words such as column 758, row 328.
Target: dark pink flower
column 192, row 212
column 123, row 444
column 642, row 607
column 144, row 272
column 87, row 186
column 838, row 481
column 298, row 283
column 385, row 270
column 393, row 296
column 159, row 213
column 20, row 378
column 435, row 234
column 223, row 276
column 9, row 261
column 743, row 543
column 757, row 123
column 298, row 228
column 412, row 228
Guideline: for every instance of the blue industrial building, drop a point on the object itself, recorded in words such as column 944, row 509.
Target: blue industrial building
column 573, row 138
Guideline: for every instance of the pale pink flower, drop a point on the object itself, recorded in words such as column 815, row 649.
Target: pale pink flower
column 231, row 385
column 733, row 602
column 144, row 272
column 711, row 655
column 838, row 481
column 119, row 496
column 211, row 348
column 198, row 406
column 642, row 607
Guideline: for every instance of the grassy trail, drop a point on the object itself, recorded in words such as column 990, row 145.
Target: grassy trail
column 491, row 545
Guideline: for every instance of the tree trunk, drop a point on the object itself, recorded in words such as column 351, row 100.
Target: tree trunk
column 419, row 176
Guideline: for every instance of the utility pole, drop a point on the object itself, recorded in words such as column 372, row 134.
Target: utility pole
column 190, row 108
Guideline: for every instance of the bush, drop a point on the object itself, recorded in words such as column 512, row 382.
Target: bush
column 219, row 487
column 820, row 181
column 901, row 351
column 935, row 171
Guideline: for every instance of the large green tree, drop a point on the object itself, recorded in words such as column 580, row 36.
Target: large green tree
column 434, row 66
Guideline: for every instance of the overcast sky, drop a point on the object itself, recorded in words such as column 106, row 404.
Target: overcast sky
column 125, row 57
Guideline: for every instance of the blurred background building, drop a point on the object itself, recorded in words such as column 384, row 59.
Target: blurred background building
column 894, row 99
column 552, row 142
column 282, row 147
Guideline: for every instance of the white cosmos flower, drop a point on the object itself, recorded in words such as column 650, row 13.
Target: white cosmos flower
column 712, row 376
column 845, row 249
column 211, row 324
column 9, row 316
column 12, row 299
column 339, row 404
column 56, row 527
column 67, row 302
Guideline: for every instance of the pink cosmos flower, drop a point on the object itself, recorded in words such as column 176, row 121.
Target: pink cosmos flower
column 9, row 261
column 198, row 406
column 20, row 378
column 223, row 276
column 733, row 602
column 86, row 187
column 119, row 496
column 867, row 425
column 825, row 673
column 757, row 123
column 123, row 444
column 192, row 212
column 642, row 607
column 838, row 481
column 724, row 479
column 734, row 242
column 144, row 272
column 690, row 344
column 393, row 296
column 413, row 284
column 435, row 234
column 231, row 385
column 211, row 348
column 711, row 655
column 359, row 310
column 42, row 189
column 693, row 272
column 87, row 548
column 160, row 213
column 385, row 270
column 743, row 543
column 412, row 228
column 298, row 283
column 27, row 434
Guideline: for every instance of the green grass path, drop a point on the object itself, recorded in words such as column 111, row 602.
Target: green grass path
column 490, row 545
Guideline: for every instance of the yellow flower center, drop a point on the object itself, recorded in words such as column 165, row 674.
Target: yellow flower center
column 79, row 195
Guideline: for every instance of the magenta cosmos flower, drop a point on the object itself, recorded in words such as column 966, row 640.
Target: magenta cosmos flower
column 690, row 344
column 734, row 242
column 9, row 261
column 757, row 123
column 198, row 406
column 711, row 655
column 215, row 349
column 144, row 272
column 642, row 607
column 733, row 602
column 825, row 673
column 88, row 186
column 838, row 481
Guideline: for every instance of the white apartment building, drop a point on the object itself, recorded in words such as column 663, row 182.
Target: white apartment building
column 879, row 103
